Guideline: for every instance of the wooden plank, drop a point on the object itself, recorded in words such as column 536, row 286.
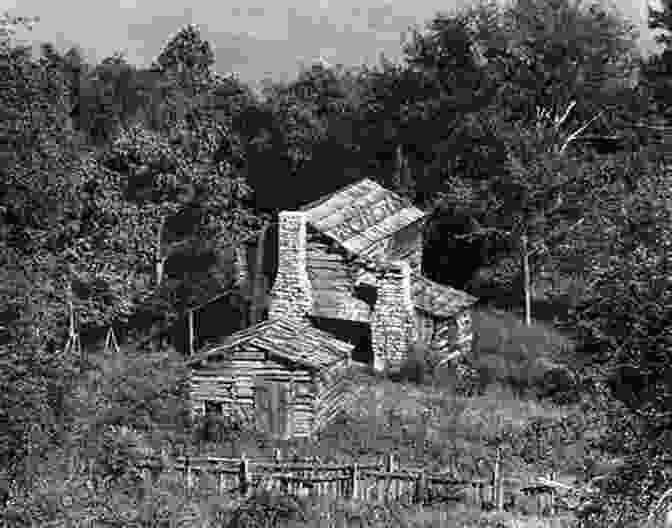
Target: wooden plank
column 324, row 256
column 326, row 287
column 360, row 215
column 332, row 269
column 382, row 230
column 324, row 273
column 341, row 199
column 262, row 406
column 354, row 209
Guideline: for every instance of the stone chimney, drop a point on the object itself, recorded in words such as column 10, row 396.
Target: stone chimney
column 291, row 295
column 393, row 321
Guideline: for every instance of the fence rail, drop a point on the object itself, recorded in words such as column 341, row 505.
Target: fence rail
column 383, row 481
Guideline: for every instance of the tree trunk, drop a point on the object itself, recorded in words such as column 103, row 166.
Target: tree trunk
column 192, row 333
column 258, row 281
column 159, row 259
column 525, row 257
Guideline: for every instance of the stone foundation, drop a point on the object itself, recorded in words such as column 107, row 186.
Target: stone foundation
column 393, row 322
column 291, row 295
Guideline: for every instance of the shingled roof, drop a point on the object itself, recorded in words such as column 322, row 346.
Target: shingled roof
column 438, row 299
column 361, row 214
column 301, row 344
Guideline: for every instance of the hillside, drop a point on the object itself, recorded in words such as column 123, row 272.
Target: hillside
column 527, row 146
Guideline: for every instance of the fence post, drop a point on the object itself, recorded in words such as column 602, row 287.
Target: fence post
column 497, row 491
column 188, row 474
column 420, row 488
column 552, row 477
column 244, row 474
column 390, row 463
column 354, row 481
column 148, row 510
column 147, row 482
column 481, row 493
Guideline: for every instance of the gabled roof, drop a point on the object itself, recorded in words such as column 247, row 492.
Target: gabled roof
column 438, row 299
column 297, row 343
column 361, row 214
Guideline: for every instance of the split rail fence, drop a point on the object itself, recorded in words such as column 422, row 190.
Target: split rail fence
column 383, row 481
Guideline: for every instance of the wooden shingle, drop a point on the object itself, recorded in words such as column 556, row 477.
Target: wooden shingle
column 300, row 344
column 361, row 215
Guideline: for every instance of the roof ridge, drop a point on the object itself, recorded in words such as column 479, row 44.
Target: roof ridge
column 360, row 215
column 326, row 197
column 324, row 348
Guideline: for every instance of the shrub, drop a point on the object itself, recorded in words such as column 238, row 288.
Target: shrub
column 266, row 509
column 529, row 359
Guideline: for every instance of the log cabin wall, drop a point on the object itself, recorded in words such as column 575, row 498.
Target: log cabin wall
column 234, row 384
column 405, row 244
column 269, row 374
column 333, row 283
column 333, row 391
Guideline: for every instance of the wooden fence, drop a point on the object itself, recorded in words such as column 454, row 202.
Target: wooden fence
column 383, row 481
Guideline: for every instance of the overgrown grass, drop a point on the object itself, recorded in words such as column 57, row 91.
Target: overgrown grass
column 531, row 360
column 273, row 509
column 165, row 505
column 426, row 422
column 439, row 430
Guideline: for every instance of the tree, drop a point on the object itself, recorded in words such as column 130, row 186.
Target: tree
column 657, row 69
column 623, row 324
column 185, row 68
column 661, row 19
column 36, row 208
column 182, row 190
column 310, row 126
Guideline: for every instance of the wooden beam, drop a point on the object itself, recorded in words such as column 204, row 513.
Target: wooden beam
column 526, row 281
column 192, row 332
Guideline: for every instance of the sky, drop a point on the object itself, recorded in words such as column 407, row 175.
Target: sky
column 256, row 39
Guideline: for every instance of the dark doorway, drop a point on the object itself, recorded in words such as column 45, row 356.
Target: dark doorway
column 356, row 333
column 213, row 408
column 272, row 403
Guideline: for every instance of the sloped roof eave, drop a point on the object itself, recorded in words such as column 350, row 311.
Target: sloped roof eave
column 322, row 349
column 437, row 299
column 329, row 214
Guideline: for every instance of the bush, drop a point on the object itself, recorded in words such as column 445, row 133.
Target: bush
column 529, row 359
column 265, row 509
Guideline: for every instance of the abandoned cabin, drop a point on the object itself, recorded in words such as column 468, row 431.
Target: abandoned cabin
column 348, row 288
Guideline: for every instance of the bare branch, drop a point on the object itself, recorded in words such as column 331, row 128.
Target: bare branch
column 579, row 130
column 559, row 121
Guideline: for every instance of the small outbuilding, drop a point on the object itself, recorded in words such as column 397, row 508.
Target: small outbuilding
column 285, row 376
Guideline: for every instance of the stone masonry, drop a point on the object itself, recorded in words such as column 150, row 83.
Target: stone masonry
column 393, row 322
column 291, row 295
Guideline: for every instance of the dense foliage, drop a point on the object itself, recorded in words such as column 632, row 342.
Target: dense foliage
column 125, row 190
